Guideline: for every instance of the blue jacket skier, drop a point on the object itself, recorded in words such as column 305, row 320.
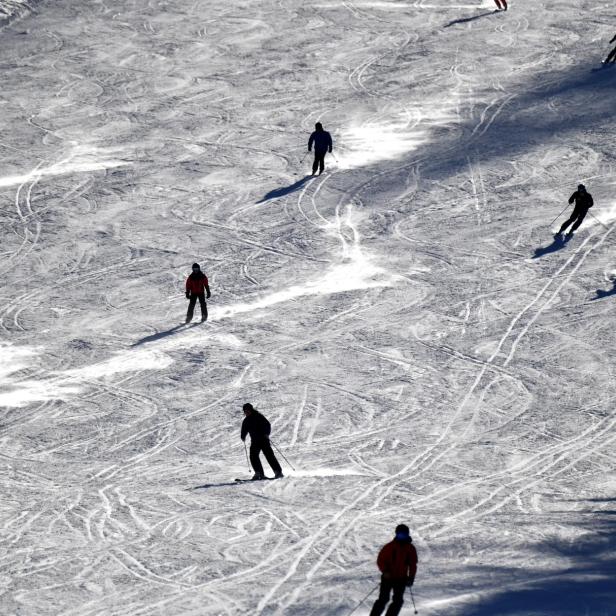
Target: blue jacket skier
column 322, row 141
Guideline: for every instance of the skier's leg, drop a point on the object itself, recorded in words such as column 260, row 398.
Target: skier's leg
column 611, row 56
column 322, row 163
column 255, row 450
column 397, row 600
column 381, row 602
column 504, row 4
column 315, row 164
column 270, row 457
column 191, row 308
column 203, row 306
column 568, row 222
column 498, row 4
column 579, row 220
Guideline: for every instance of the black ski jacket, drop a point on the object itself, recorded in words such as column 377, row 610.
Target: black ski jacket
column 257, row 426
column 322, row 142
column 583, row 200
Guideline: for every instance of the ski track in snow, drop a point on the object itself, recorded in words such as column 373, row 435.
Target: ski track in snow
column 423, row 349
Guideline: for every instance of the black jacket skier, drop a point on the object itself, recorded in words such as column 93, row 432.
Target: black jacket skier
column 612, row 55
column 583, row 202
column 322, row 141
column 259, row 429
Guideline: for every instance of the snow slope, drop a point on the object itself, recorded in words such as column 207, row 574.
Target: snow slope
column 423, row 349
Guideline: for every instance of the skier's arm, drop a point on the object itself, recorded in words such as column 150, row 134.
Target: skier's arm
column 267, row 427
column 591, row 202
column 244, row 430
column 382, row 560
column 330, row 143
column 310, row 142
column 412, row 565
column 187, row 288
column 207, row 288
column 572, row 197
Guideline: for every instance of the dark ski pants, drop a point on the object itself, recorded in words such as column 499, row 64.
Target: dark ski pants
column 611, row 56
column 319, row 162
column 576, row 218
column 263, row 445
column 387, row 585
column 191, row 307
column 501, row 4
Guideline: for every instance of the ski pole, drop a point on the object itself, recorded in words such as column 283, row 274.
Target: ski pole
column 598, row 220
column 566, row 206
column 303, row 157
column 282, row 454
column 349, row 614
column 247, row 460
column 413, row 600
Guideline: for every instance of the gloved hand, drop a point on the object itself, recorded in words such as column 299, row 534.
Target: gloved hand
column 187, row 294
column 208, row 294
column 410, row 582
column 310, row 149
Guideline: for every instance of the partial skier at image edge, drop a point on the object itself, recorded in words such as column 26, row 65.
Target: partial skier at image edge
column 501, row 5
column 322, row 141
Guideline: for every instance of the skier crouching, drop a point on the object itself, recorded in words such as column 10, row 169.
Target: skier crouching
column 397, row 561
column 583, row 202
column 259, row 429
column 196, row 287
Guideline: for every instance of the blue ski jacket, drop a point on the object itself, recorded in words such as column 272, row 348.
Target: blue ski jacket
column 322, row 142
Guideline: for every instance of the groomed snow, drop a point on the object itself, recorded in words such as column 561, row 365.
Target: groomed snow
column 425, row 352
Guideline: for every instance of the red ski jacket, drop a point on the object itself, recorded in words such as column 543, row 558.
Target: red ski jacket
column 398, row 560
column 196, row 283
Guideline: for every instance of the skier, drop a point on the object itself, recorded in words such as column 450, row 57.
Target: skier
column 398, row 563
column 583, row 202
column 612, row 55
column 322, row 144
column 501, row 4
column 196, row 287
column 259, row 429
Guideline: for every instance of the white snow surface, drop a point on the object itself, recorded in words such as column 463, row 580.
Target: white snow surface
column 425, row 353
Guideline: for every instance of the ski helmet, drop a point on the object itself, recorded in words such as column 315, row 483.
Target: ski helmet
column 403, row 533
column 581, row 187
column 196, row 266
column 248, row 407
column 318, row 126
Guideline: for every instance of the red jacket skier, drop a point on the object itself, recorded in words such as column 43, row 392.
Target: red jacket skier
column 196, row 287
column 398, row 564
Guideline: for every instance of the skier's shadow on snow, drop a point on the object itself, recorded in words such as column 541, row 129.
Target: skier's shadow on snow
column 601, row 293
column 159, row 335
column 555, row 246
column 465, row 20
column 216, row 485
column 284, row 190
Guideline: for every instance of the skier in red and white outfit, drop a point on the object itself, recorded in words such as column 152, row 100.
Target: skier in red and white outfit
column 196, row 287
column 501, row 4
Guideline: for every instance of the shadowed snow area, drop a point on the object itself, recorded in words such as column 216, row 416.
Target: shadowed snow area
column 424, row 348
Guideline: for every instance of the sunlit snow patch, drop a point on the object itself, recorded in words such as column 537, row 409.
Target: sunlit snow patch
column 59, row 169
column 377, row 140
column 354, row 272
